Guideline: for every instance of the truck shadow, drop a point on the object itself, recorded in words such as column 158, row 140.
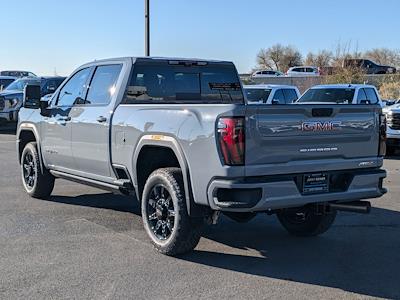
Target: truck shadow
column 106, row 200
column 359, row 254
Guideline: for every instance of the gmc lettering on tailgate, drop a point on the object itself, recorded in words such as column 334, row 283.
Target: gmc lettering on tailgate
column 320, row 126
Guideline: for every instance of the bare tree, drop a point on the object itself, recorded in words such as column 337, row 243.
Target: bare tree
column 384, row 56
column 263, row 60
column 322, row 59
column 291, row 58
column 344, row 50
column 271, row 57
column 278, row 57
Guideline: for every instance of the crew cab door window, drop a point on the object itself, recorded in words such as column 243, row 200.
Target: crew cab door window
column 74, row 89
column 361, row 96
column 290, row 95
column 279, row 98
column 371, row 96
column 103, row 85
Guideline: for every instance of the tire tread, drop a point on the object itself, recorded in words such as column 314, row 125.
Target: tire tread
column 188, row 231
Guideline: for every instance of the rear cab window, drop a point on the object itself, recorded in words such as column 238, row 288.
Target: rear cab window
column 183, row 82
column 257, row 95
column 329, row 95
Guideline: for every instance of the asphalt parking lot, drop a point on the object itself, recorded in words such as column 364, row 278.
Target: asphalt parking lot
column 84, row 243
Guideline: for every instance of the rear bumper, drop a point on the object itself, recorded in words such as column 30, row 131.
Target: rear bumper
column 276, row 192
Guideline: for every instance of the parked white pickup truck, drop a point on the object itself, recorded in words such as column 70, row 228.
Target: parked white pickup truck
column 271, row 94
column 392, row 114
column 342, row 93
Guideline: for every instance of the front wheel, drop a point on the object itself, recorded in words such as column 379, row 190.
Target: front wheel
column 171, row 230
column 37, row 184
column 305, row 221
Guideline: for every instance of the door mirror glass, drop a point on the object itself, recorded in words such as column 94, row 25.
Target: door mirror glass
column 31, row 96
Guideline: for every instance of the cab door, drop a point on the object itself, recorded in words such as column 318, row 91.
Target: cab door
column 57, row 127
column 91, row 123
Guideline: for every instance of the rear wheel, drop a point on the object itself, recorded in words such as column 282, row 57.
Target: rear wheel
column 305, row 221
column 171, row 230
column 37, row 184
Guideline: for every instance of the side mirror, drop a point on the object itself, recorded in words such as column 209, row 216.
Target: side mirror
column 31, row 96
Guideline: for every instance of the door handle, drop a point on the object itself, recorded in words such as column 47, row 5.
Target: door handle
column 101, row 119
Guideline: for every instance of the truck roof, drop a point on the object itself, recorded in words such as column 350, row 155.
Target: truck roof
column 341, row 86
column 155, row 58
column 268, row 86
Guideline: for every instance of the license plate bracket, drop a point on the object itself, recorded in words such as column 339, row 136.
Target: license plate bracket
column 315, row 183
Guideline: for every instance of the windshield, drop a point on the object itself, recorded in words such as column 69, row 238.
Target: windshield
column 257, row 95
column 335, row 95
column 18, row 85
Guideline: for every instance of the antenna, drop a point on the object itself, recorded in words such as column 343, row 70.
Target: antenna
column 147, row 26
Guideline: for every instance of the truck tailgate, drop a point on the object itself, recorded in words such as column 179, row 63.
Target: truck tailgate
column 304, row 134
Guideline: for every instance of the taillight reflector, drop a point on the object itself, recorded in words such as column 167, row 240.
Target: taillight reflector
column 231, row 138
column 382, row 135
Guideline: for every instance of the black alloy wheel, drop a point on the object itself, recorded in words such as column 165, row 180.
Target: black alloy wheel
column 161, row 212
column 29, row 170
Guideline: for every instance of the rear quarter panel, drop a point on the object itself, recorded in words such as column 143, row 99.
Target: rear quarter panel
column 193, row 128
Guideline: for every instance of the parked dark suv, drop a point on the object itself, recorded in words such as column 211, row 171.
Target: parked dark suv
column 11, row 97
column 5, row 81
column 369, row 66
column 18, row 73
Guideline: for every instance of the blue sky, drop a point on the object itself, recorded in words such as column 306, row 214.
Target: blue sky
column 45, row 35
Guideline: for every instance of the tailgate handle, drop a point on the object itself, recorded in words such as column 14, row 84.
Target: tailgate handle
column 322, row 112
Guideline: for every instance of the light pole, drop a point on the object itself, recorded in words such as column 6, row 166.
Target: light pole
column 147, row 26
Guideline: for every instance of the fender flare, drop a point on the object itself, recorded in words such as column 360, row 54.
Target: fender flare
column 170, row 142
column 32, row 128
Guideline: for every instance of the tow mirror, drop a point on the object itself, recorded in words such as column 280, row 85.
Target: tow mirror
column 31, row 96
column 33, row 100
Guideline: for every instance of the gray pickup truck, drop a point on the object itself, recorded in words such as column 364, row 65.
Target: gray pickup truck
column 178, row 134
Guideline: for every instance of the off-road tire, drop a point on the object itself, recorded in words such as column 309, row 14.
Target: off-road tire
column 314, row 224
column 43, row 182
column 186, row 231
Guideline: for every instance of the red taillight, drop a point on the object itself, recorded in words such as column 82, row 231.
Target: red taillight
column 382, row 135
column 231, row 137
